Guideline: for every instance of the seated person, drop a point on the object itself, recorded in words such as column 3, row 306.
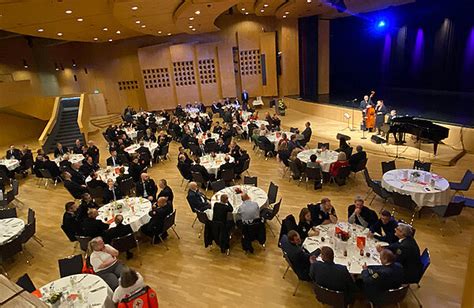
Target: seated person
column 130, row 282
column 91, row 226
column 112, row 192
column 378, row 279
column 119, row 230
column 103, row 259
column 184, row 167
column 60, row 150
column 227, row 165
column 113, row 160
column 385, row 228
column 165, row 191
column 74, row 189
column 305, row 225
column 122, row 176
column 312, row 162
column 337, row 165
column 299, row 257
column 323, row 213
column 96, row 182
column 196, row 199
column 51, row 166
column 146, row 187
column 70, row 225
column 407, row 252
column 361, row 215
column 266, row 144
column 332, row 276
column 283, row 153
column 88, row 166
column 356, row 158
column 158, row 213
column 86, row 203
column 221, row 146
column 249, row 211
column 135, row 169
column 13, row 153
column 197, row 167
column 221, row 209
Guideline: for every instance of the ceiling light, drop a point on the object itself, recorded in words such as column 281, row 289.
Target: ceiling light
column 56, row 67
column 118, row 32
column 308, row 1
column 243, row 9
column 265, row 5
column 286, row 13
column 246, row 13
column 74, row 63
column 80, row 19
column 197, row 12
column 262, row 10
column 169, row 33
column 190, row 27
column 194, row 29
column 143, row 26
column 68, row 12
column 40, row 30
column 105, row 29
column 137, row 22
column 110, row 40
column 159, row 32
column 134, row 8
column 284, row 16
column 191, row 18
column 60, row 34
column 96, row 38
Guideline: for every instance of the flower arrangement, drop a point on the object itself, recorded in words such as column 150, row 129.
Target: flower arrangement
column 281, row 105
column 238, row 190
column 54, row 298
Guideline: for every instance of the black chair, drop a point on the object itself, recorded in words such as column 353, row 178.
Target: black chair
column 381, row 192
column 271, row 212
column 8, row 198
column 123, row 158
column 425, row 259
column 295, row 173
column 332, row 298
column 126, row 243
column 15, row 191
column 217, row 185
column 369, row 182
column 164, row 152
column 83, row 241
column 465, row 183
column 198, row 178
column 127, row 186
column 388, row 166
column 405, row 201
column 250, row 180
column 47, row 176
column 97, row 193
column 391, row 297
column 251, row 232
column 290, row 265
column 202, row 217
column 360, row 166
column 228, row 176
column 8, row 213
column 453, row 209
column 70, row 236
column 194, row 148
column 418, row 165
column 342, row 175
column 26, row 283
column 314, row 174
column 210, row 147
column 169, row 223
column 71, row 265
column 246, row 166
column 272, row 193
column 9, row 250
column 293, row 129
column 323, row 144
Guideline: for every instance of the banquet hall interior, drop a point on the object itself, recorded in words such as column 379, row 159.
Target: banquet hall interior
column 231, row 153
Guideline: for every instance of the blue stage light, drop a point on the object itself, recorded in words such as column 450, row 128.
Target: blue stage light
column 381, row 24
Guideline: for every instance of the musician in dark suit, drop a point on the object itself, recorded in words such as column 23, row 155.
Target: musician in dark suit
column 119, row 230
column 13, row 153
column 361, row 215
column 197, row 200
column 146, row 187
column 366, row 102
column 70, row 225
column 165, row 191
column 378, row 279
column 306, row 134
column 91, row 226
column 113, row 160
column 60, row 150
column 299, row 258
column 357, row 157
column 380, row 112
column 407, row 252
column 112, row 192
column 158, row 213
column 333, row 276
column 398, row 136
column 385, row 227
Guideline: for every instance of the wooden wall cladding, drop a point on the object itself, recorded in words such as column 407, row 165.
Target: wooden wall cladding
column 128, row 85
column 250, row 62
column 207, row 71
column 156, row 78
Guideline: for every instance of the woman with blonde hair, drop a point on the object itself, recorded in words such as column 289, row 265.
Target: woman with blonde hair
column 337, row 165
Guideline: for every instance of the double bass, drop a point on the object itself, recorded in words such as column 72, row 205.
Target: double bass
column 370, row 118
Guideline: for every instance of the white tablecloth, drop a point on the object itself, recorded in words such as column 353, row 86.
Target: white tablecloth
column 82, row 290
column 246, row 115
column 131, row 132
column 152, row 146
column 325, row 158
column 212, row 164
column 10, row 228
column 134, row 211
column 73, row 158
column 255, row 193
column 275, row 137
column 203, row 136
column 256, row 122
column 424, row 193
column 353, row 260
column 105, row 174
column 11, row 164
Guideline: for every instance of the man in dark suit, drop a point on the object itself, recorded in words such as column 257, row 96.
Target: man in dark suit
column 70, row 225
column 76, row 190
column 119, row 230
column 380, row 278
column 64, row 164
column 221, row 146
column 361, row 215
column 323, row 213
column 184, row 167
column 239, row 167
column 113, row 160
column 385, row 228
column 146, row 187
column 88, row 166
column 77, row 149
column 86, row 203
column 245, row 97
column 222, row 209
column 209, row 139
column 76, row 176
column 332, row 276
column 166, row 191
column 227, row 165
column 267, row 145
column 197, row 167
column 407, row 253
column 13, row 153
column 122, row 176
column 197, row 200
column 93, row 151
column 299, row 258
column 356, row 158
column 60, row 150
column 135, row 169
column 95, row 182
column 144, row 153
column 91, row 226
column 307, row 132
column 51, row 167
column 158, row 213
column 112, row 192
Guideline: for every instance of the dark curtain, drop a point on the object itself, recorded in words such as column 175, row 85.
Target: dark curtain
column 308, row 56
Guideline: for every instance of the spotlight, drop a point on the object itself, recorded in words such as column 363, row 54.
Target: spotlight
column 339, row 5
column 381, row 24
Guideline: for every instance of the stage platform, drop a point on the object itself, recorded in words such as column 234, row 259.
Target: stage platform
column 325, row 128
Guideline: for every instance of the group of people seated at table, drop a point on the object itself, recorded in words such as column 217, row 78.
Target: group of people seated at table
column 24, row 157
column 400, row 260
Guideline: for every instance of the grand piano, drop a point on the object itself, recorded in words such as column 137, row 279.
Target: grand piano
column 421, row 128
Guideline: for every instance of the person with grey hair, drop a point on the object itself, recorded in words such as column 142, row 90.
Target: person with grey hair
column 357, row 158
column 407, row 253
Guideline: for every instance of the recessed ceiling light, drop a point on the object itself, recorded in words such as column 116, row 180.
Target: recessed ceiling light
column 105, row 29
column 286, row 13
column 80, row 19
column 246, row 13
column 197, row 12
column 159, row 32
column 284, row 16
column 137, row 22
column 110, row 40
column 191, row 18
column 169, row 33
column 68, row 12
column 118, row 32
column 134, row 8
column 190, row 27
column 262, row 10
column 265, row 5
column 243, row 9
column 40, row 30
column 143, row 26
column 194, row 29
column 96, row 38
column 60, row 34
column 309, row 1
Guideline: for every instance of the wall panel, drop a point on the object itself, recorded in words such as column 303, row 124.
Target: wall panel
column 208, row 70
column 186, row 77
column 250, row 67
column 268, row 48
column 289, row 79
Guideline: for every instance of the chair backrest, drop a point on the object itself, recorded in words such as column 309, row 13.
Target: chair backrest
column 218, row 185
column 246, row 165
column 294, row 168
column 454, row 208
column 368, row 180
column 29, row 230
column 425, row 259
column 26, row 283
column 393, row 296
column 31, row 216
column 8, row 213
column 169, row 221
column 96, row 192
column 126, row 186
column 123, row 158
column 404, row 201
column 329, row 297
column 202, row 217
column 165, row 149
column 210, row 147
column 361, row 165
column 313, row 173
column 421, row 166
column 10, row 249
column 275, row 210
column 197, row 177
column 228, row 175
column 293, row 129
column 251, row 180
column 325, row 144
column 124, row 243
column 45, row 173
column 71, row 265
column 467, row 179
column 344, row 172
column 83, row 241
column 194, row 148
column 69, row 234
column 272, row 193
column 15, row 187
column 388, row 165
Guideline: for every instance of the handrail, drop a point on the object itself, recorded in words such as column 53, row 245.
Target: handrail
column 51, row 123
column 83, row 116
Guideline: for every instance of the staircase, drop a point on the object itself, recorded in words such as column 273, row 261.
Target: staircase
column 66, row 129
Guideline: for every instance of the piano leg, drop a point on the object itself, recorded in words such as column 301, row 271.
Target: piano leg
column 435, row 146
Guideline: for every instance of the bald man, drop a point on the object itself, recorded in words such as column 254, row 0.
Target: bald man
column 196, row 199
column 248, row 210
column 146, row 187
column 158, row 213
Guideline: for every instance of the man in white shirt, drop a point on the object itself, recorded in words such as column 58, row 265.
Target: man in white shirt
column 104, row 262
column 249, row 210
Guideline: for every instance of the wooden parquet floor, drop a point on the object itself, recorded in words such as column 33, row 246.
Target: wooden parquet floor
column 189, row 275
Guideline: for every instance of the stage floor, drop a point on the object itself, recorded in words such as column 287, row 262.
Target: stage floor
column 326, row 130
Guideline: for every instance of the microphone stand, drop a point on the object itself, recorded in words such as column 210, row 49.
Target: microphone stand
column 354, row 101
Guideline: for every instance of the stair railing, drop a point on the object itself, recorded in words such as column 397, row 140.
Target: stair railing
column 84, row 116
column 51, row 123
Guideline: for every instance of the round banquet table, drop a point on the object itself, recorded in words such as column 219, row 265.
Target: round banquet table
column 325, row 159
column 152, row 146
column 212, row 164
column 81, row 290
column 255, row 193
column 256, row 122
column 246, row 115
column 203, row 136
column 429, row 190
column 11, row 164
column 134, row 211
column 105, row 174
column 354, row 261
column 73, row 158
column 131, row 132
column 275, row 137
column 10, row 228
